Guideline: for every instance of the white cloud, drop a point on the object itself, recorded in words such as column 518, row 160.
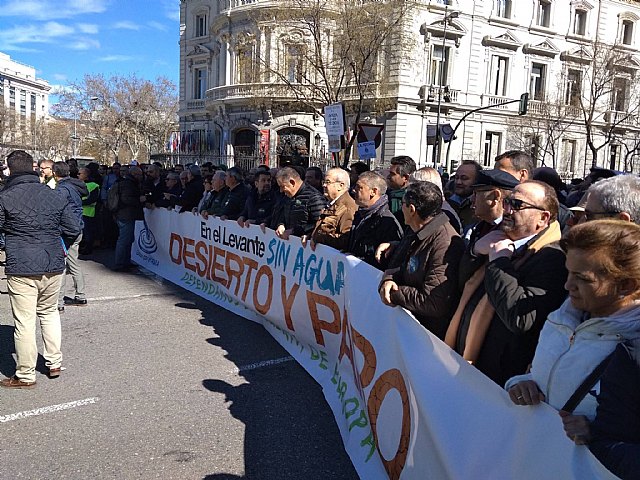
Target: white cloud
column 171, row 10
column 59, row 77
column 157, row 26
column 126, row 25
column 83, row 44
column 116, row 58
column 88, row 28
column 50, row 9
column 14, row 38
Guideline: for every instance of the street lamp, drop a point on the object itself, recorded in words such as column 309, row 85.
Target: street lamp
column 436, row 147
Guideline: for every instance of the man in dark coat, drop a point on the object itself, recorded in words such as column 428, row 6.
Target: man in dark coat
column 425, row 283
column 236, row 199
column 260, row 201
column 193, row 190
column 517, row 281
column 73, row 189
column 34, row 218
column 373, row 223
column 301, row 213
column 129, row 210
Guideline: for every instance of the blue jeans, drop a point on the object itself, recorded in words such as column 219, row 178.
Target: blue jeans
column 125, row 240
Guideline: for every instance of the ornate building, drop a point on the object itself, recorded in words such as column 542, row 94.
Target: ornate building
column 24, row 100
column 466, row 55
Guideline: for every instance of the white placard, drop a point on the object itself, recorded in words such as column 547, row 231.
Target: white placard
column 334, row 119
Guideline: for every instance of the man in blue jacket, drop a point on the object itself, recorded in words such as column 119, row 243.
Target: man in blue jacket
column 36, row 220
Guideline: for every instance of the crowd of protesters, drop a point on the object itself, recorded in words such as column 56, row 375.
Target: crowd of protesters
column 533, row 281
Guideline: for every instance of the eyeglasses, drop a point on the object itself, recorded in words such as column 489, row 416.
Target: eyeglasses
column 329, row 182
column 516, row 204
column 596, row 215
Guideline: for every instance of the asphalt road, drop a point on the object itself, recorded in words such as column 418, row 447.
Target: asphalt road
column 160, row 384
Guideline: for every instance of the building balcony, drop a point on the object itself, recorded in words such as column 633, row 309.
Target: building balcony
column 449, row 95
column 195, row 105
column 273, row 91
column 618, row 118
column 496, row 101
column 228, row 5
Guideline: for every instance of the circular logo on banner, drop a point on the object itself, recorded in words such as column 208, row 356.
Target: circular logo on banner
column 147, row 241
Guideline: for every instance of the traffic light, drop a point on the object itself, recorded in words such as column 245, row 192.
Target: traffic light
column 524, row 104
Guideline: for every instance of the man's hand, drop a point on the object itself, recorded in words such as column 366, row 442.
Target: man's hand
column 383, row 251
column 280, row 231
column 204, row 214
column 241, row 223
column 577, row 427
column 263, row 227
column 143, row 199
column 503, row 248
column 483, row 245
column 385, row 291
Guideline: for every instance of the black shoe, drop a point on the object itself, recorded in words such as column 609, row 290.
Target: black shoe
column 80, row 302
column 61, row 309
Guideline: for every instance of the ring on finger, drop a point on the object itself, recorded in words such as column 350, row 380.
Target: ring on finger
column 519, row 397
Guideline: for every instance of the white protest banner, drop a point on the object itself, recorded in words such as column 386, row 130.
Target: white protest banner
column 406, row 405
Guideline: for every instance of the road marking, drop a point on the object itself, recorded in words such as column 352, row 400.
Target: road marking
column 50, row 409
column 266, row 363
column 125, row 297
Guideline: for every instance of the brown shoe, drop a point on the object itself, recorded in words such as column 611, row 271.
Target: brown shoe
column 54, row 372
column 15, row 382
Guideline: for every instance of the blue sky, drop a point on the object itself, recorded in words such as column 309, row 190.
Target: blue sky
column 66, row 39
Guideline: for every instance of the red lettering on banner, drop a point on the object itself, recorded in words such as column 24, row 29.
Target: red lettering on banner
column 351, row 336
column 391, row 380
column 215, row 265
column 234, row 272
column 175, row 238
column 188, row 253
column 201, row 254
column 263, row 308
column 313, row 300
column 287, row 300
column 251, row 265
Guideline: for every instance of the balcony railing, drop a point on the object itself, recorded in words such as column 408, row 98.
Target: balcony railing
column 231, row 4
column 435, row 90
column 195, row 105
column 275, row 91
column 495, row 101
column 614, row 117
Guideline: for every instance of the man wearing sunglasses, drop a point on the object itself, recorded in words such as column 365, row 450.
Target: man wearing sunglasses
column 506, row 300
column 616, row 197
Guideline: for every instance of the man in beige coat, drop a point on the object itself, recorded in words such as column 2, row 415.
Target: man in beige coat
column 334, row 225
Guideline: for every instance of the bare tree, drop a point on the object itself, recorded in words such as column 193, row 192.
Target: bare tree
column 331, row 51
column 610, row 102
column 123, row 114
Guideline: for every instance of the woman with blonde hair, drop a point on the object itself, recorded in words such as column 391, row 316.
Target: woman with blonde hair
column 577, row 340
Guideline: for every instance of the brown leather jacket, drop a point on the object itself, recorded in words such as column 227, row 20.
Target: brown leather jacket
column 334, row 225
column 427, row 279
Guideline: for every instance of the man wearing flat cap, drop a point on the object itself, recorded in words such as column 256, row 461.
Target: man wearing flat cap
column 514, row 277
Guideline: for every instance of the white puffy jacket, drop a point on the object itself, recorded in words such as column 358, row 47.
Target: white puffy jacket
column 569, row 349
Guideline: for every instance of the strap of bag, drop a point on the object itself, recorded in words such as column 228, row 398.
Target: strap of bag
column 586, row 385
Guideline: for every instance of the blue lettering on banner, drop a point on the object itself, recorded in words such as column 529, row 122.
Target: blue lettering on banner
column 310, row 271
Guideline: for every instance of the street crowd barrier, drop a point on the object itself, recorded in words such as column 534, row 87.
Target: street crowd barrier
column 407, row 406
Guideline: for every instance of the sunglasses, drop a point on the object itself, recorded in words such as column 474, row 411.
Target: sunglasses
column 516, row 204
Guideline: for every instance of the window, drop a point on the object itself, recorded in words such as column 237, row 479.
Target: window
column 537, row 81
column 573, row 88
column 33, row 102
column 580, row 22
column 12, row 96
column 440, row 65
column 543, row 13
column 23, row 102
column 245, row 65
column 492, row 142
column 498, row 81
column 627, row 32
column 201, row 25
column 503, row 8
column 614, row 160
column 569, row 155
column 619, row 94
column 532, row 143
column 295, row 63
column 200, row 83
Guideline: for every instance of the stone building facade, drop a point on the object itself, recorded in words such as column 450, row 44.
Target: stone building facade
column 466, row 55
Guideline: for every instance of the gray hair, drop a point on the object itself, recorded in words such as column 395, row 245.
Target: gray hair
column 374, row 180
column 340, row 175
column 220, row 174
column 428, row 174
column 619, row 194
column 173, row 176
column 184, row 174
